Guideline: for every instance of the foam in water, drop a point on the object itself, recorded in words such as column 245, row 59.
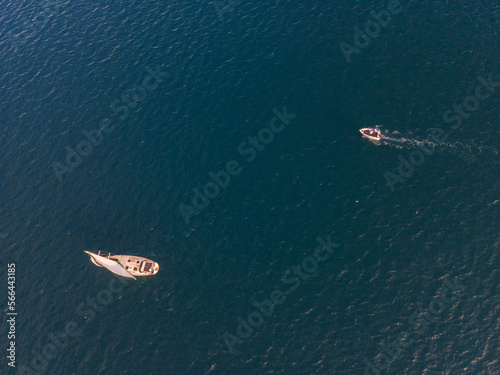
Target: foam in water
column 467, row 151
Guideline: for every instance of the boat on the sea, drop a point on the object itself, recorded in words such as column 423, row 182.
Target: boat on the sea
column 371, row 133
column 128, row 266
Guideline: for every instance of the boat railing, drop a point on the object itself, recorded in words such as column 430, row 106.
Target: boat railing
column 104, row 254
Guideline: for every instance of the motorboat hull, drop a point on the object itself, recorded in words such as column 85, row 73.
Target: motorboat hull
column 371, row 133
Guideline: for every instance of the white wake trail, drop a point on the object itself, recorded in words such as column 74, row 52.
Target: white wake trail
column 467, row 151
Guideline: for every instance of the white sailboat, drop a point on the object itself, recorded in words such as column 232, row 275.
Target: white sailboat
column 125, row 265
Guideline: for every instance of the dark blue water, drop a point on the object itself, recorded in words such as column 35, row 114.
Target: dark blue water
column 220, row 77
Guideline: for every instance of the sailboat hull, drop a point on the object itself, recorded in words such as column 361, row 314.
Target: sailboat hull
column 129, row 266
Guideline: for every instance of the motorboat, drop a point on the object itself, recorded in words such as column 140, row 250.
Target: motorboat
column 128, row 266
column 371, row 133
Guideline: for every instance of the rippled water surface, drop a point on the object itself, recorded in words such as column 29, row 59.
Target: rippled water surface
column 178, row 88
